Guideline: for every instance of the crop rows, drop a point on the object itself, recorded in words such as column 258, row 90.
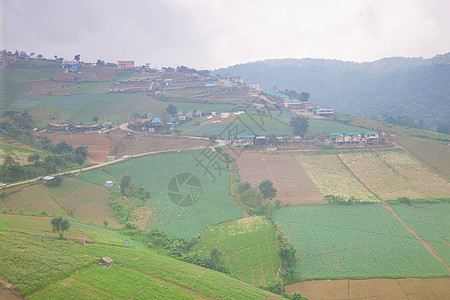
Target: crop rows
column 354, row 241
column 430, row 222
column 331, row 177
column 249, row 245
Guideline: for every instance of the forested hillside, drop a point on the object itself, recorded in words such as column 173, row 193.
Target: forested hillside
column 409, row 88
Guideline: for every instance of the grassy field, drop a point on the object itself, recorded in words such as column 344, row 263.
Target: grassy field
column 355, row 242
column 277, row 123
column 30, row 262
column 248, row 123
column 80, row 107
column 393, row 173
column 331, row 177
column 329, row 126
column 212, row 202
column 78, row 198
column 47, row 268
column 436, row 154
column 249, row 245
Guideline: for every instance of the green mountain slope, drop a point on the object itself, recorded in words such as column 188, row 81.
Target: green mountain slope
column 47, row 268
column 394, row 86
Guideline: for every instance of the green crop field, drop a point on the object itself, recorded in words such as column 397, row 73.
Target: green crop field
column 354, row 242
column 47, row 268
column 30, row 262
column 210, row 203
column 277, row 123
column 431, row 222
column 3, row 224
column 249, row 245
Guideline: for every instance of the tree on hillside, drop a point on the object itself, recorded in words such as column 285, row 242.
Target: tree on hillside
column 299, row 125
column 95, row 119
column 59, row 225
column 125, row 184
column 77, row 57
column 34, row 158
column 267, row 189
column 304, row 97
column 217, row 256
column 171, row 109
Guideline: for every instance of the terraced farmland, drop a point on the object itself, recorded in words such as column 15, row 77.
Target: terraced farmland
column 359, row 241
column 249, row 245
column 210, row 203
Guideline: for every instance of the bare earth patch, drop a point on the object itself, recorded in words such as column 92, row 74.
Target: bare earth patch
column 99, row 145
column 140, row 142
column 142, row 216
column 293, row 186
column 405, row 288
column 7, row 291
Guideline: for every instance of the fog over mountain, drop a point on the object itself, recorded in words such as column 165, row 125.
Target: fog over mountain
column 397, row 86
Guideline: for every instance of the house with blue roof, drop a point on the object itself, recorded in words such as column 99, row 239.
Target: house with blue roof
column 244, row 140
column 372, row 135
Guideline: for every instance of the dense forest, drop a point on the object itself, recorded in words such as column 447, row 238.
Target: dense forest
column 391, row 89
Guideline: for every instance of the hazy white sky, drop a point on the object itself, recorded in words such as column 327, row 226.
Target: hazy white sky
column 218, row 33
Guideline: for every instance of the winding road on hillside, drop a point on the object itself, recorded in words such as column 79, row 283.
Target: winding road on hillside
column 124, row 127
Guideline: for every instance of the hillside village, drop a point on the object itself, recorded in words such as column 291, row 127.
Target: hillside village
column 143, row 79
column 177, row 183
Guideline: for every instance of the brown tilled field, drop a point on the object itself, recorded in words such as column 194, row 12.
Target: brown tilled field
column 293, row 186
column 123, row 144
column 106, row 73
column 99, row 145
column 405, row 288
column 69, row 77
column 46, row 87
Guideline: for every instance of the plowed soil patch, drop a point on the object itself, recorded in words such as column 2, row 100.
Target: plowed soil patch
column 99, row 145
column 48, row 87
column 405, row 288
column 123, row 144
column 293, row 186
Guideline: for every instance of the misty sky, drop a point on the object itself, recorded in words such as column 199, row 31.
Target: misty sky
column 212, row 34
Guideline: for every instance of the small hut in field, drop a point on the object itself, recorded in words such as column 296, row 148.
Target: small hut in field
column 106, row 261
